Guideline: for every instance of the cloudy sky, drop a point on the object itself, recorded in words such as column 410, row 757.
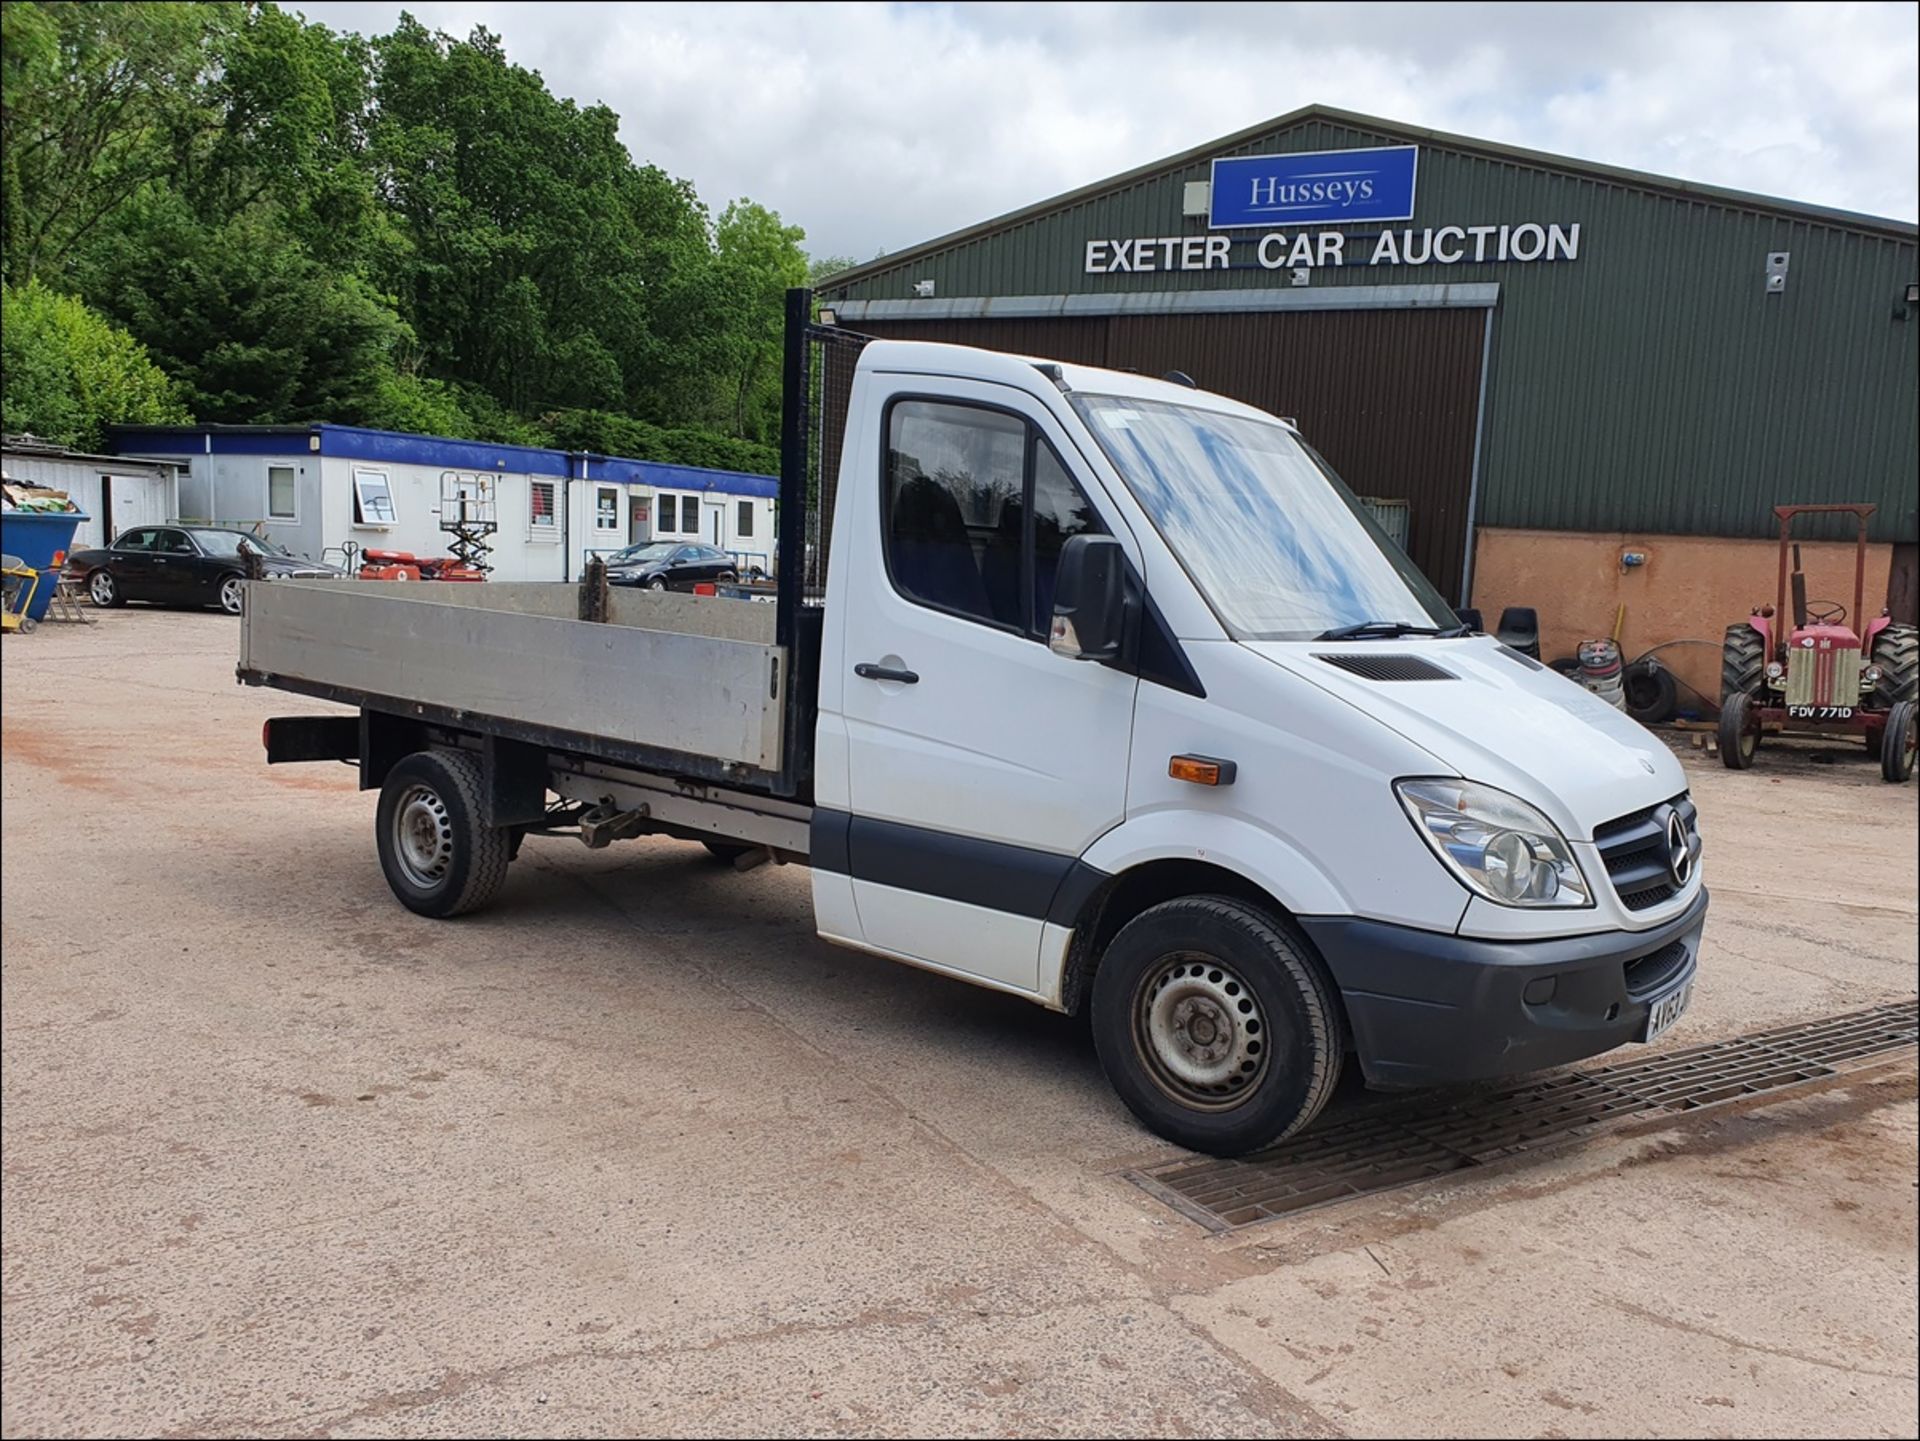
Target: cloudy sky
column 878, row 126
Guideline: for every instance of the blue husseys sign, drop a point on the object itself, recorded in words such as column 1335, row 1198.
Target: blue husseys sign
column 1324, row 187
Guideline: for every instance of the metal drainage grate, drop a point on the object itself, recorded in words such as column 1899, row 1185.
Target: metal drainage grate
column 1431, row 1135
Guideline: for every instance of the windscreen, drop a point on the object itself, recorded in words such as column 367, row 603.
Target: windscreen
column 652, row 550
column 1279, row 547
column 226, row 542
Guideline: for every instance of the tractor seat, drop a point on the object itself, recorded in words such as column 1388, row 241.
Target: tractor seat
column 1520, row 630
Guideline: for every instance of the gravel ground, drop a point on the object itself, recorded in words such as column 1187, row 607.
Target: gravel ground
column 633, row 1153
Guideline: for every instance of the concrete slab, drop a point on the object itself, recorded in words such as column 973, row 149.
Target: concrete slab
column 633, row 1153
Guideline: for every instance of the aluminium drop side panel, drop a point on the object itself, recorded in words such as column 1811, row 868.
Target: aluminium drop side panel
column 700, row 695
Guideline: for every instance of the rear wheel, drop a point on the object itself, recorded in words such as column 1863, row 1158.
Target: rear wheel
column 1216, row 1024
column 437, row 856
column 104, row 589
column 1739, row 731
column 1897, row 742
column 1896, row 650
column 1743, row 659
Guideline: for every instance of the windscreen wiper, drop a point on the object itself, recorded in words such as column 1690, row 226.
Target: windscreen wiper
column 1388, row 630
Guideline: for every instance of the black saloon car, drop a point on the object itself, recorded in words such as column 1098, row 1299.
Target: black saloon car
column 669, row 565
column 183, row 565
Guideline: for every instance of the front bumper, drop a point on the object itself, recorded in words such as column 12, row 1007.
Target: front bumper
column 1428, row 1008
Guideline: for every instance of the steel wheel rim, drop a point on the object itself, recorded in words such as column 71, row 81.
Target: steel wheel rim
column 101, row 588
column 231, row 596
column 1200, row 1031
column 422, row 836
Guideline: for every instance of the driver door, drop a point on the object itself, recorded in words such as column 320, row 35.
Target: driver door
column 980, row 764
column 176, row 564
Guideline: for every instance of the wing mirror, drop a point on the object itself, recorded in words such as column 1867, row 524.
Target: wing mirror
column 1089, row 599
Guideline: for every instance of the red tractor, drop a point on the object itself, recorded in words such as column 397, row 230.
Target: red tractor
column 1833, row 673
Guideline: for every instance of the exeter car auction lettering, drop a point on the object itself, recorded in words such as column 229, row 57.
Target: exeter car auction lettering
column 1293, row 250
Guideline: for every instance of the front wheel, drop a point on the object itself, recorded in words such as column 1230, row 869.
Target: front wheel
column 659, row 582
column 1739, row 731
column 1897, row 743
column 233, row 594
column 436, row 855
column 104, row 589
column 1216, row 1024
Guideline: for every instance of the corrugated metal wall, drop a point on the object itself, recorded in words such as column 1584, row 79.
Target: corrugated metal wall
column 143, row 495
column 1390, row 397
column 1651, row 384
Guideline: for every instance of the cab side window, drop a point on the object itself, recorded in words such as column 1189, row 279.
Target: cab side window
column 976, row 506
column 1060, row 512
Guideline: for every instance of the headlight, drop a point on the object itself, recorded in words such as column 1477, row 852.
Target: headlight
column 1497, row 844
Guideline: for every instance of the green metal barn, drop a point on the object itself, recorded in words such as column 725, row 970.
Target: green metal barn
column 1537, row 365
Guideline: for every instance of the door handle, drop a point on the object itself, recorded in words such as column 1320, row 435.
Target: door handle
column 867, row 670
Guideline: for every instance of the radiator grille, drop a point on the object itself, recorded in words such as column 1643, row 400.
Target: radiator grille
column 1633, row 848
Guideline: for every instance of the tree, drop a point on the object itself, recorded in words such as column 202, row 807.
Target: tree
column 68, row 373
column 253, row 328
column 96, row 102
column 409, row 230
column 758, row 260
column 825, row 267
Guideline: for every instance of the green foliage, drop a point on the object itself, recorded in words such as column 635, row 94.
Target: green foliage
column 68, row 373
column 410, row 232
column 605, row 434
column 253, row 328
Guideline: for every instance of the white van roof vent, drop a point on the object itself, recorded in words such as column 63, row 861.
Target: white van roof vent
column 1389, row 667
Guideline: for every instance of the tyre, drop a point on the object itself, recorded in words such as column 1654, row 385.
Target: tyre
column 1743, row 658
column 1896, row 650
column 104, row 590
column 1739, row 731
column 659, row 582
column 1651, row 694
column 232, row 594
column 1897, row 742
column 727, row 577
column 1216, row 1024
column 437, row 857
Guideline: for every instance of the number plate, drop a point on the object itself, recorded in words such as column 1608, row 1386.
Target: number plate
column 1664, row 1012
column 1820, row 712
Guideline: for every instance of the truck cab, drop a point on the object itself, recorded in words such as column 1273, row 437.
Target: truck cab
column 1261, row 801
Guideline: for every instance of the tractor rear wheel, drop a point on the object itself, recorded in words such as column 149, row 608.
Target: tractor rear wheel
column 1743, row 658
column 1896, row 650
column 1897, row 743
column 1739, row 731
